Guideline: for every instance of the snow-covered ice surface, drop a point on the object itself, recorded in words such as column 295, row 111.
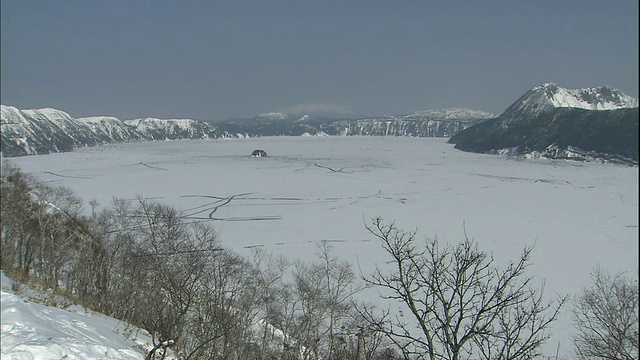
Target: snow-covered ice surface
column 31, row 330
column 312, row 189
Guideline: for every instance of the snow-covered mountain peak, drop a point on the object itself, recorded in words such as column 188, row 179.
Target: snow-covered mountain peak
column 550, row 95
column 315, row 110
column 273, row 116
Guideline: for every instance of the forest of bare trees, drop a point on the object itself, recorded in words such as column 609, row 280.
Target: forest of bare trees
column 144, row 263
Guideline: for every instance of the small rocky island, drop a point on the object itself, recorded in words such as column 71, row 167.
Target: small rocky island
column 259, row 153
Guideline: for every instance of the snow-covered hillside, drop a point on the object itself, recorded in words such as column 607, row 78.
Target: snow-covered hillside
column 172, row 129
column 43, row 131
column 33, row 330
column 112, row 129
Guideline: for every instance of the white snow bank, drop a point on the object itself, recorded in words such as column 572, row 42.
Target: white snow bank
column 34, row 331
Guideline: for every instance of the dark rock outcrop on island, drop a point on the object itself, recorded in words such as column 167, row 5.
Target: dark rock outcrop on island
column 596, row 124
column 259, row 153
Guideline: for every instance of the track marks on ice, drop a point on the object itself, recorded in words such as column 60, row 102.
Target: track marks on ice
column 212, row 208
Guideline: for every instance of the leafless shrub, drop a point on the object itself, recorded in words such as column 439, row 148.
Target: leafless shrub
column 463, row 305
column 606, row 318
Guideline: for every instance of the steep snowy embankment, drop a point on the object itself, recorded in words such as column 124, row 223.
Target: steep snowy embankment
column 31, row 330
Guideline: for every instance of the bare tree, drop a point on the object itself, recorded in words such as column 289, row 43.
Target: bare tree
column 220, row 324
column 271, row 299
column 461, row 304
column 324, row 291
column 59, row 230
column 88, row 271
column 173, row 262
column 40, row 224
column 17, row 222
column 606, row 318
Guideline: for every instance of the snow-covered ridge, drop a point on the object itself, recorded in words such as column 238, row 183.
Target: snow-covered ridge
column 593, row 98
column 99, row 119
column 42, row 131
column 148, row 121
column 452, row 114
column 47, row 113
column 111, row 129
column 171, row 129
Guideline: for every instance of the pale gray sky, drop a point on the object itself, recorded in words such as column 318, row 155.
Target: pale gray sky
column 213, row 60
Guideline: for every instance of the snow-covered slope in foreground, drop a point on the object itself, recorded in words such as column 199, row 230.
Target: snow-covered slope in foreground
column 31, row 330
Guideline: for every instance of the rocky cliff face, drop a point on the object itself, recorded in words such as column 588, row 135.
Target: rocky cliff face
column 173, row 129
column 41, row 131
column 399, row 127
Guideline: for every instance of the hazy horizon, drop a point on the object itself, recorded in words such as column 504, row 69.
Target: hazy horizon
column 220, row 60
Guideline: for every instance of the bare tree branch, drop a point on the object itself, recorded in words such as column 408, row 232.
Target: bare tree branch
column 463, row 305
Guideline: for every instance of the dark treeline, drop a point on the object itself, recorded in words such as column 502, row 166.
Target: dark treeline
column 144, row 263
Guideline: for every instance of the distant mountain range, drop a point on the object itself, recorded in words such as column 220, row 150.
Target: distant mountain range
column 29, row 132
column 596, row 124
column 593, row 124
column 43, row 131
column 433, row 123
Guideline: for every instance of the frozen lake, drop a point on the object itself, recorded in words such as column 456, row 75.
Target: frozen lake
column 312, row 189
